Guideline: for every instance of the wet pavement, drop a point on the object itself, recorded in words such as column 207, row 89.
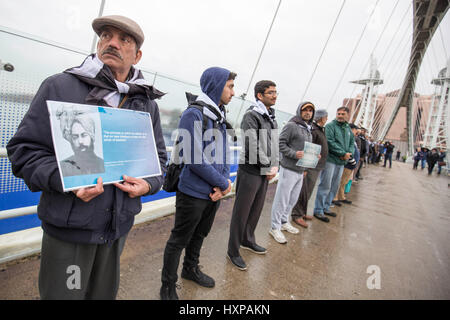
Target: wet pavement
column 398, row 224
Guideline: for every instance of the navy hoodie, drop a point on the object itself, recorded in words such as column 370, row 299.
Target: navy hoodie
column 199, row 179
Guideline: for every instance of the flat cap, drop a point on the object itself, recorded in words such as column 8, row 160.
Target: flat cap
column 320, row 113
column 123, row 23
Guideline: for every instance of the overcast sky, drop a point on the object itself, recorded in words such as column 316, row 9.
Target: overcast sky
column 185, row 37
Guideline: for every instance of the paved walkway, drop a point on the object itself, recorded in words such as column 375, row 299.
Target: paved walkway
column 399, row 222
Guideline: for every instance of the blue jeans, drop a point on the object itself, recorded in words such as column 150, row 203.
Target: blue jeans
column 330, row 178
column 388, row 156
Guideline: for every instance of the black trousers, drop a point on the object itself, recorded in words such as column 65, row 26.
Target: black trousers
column 193, row 221
column 431, row 167
column 250, row 195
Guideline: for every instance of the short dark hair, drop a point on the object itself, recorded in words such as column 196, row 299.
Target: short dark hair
column 343, row 108
column 261, row 86
column 232, row 76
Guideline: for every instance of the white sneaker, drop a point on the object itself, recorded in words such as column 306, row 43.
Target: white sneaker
column 277, row 235
column 289, row 228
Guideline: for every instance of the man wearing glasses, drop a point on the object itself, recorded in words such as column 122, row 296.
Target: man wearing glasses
column 258, row 164
column 85, row 230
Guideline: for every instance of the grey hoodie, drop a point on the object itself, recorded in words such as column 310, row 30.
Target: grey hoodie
column 293, row 137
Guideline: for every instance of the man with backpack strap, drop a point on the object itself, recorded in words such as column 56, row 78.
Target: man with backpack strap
column 203, row 181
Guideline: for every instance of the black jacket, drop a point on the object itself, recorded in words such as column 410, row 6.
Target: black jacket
column 105, row 218
column 318, row 137
column 256, row 156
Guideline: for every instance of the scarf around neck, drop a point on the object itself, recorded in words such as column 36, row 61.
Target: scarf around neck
column 95, row 73
column 261, row 108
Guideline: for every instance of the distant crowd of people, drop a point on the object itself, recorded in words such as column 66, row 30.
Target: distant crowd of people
column 431, row 157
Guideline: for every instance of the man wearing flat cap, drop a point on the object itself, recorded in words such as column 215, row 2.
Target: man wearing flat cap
column 84, row 230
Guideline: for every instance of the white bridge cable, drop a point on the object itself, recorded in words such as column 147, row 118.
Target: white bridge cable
column 396, row 31
column 443, row 42
column 397, row 72
column 373, row 50
column 436, row 60
column 259, row 58
column 323, row 50
column 353, row 53
column 398, row 53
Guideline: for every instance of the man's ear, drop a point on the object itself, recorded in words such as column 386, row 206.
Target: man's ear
column 138, row 56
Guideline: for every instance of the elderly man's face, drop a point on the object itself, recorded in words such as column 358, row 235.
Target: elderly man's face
column 117, row 50
column 81, row 140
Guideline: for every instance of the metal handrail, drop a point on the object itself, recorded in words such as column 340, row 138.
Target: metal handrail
column 24, row 211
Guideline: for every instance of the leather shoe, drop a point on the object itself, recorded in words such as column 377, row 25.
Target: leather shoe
column 238, row 262
column 254, row 248
column 331, row 214
column 194, row 274
column 168, row 291
column 337, row 202
column 346, row 201
column 321, row 217
column 300, row 222
column 306, row 218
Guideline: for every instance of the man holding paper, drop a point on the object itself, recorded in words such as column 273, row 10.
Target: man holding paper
column 85, row 230
column 292, row 143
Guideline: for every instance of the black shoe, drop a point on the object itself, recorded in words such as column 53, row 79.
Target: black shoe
column 168, row 292
column 337, row 203
column 194, row 274
column 254, row 248
column 331, row 214
column 238, row 262
column 321, row 217
column 346, row 201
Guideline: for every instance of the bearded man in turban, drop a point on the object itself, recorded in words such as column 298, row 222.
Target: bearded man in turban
column 82, row 138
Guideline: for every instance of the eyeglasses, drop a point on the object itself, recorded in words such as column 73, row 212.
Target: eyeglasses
column 272, row 93
column 125, row 40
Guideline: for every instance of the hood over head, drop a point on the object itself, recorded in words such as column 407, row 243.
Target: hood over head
column 213, row 81
column 304, row 105
column 298, row 117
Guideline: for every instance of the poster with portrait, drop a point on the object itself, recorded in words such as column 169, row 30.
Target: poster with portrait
column 310, row 156
column 92, row 142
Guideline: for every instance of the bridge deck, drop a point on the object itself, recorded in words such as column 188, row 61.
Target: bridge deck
column 399, row 221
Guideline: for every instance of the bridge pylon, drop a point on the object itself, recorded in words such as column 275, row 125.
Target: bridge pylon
column 438, row 126
column 369, row 97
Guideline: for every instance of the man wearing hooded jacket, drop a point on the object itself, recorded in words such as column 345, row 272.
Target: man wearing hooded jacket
column 292, row 143
column 203, row 182
column 300, row 210
column 85, row 230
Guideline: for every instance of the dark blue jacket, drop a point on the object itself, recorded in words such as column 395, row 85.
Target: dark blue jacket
column 199, row 179
column 105, row 218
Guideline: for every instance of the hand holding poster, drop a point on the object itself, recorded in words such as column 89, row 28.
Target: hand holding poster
column 311, row 155
column 92, row 142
